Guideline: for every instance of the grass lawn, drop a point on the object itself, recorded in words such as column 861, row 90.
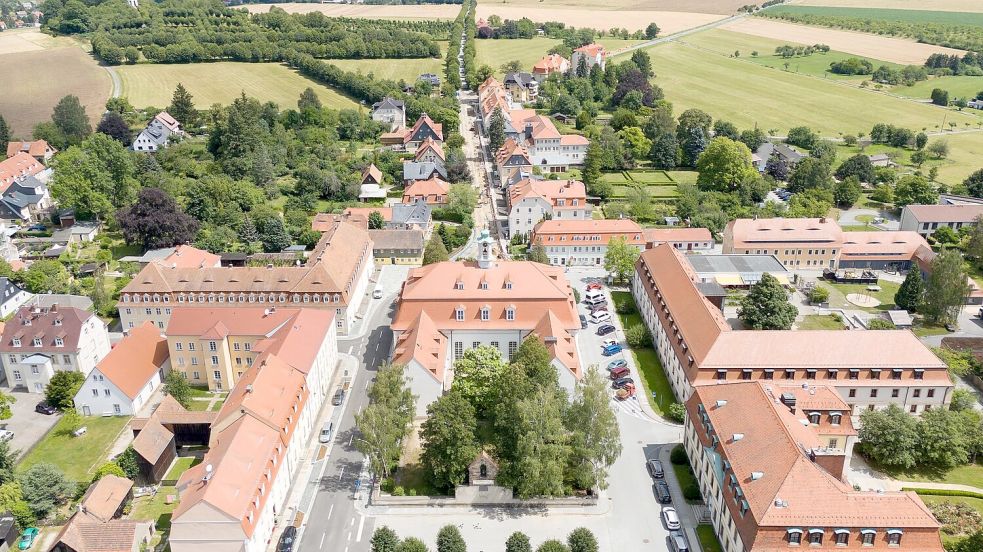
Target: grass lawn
column 958, row 87
column 859, row 228
column 685, row 476
column 924, row 329
column 649, row 367
column 616, row 44
column 615, row 177
column 155, row 508
column 181, row 465
column 819, row 322
column 683, row 177
column 691, row 78
column 395, row 69
column 965, row 153
column 148, row 84
column 78, row 457
column 708, row 539
column 838, row 293
column 969, row 474
column 527, row 51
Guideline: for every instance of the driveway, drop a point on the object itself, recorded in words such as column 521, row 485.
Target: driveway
column 28, row 426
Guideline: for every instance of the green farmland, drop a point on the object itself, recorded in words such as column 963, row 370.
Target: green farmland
column 884, row 14
column 498, row 52
column 658, row 184
column 958, row 87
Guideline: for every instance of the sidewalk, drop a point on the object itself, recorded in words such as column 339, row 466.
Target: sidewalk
column 684, row 510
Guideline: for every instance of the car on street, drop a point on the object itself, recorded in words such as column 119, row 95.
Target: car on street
column 598, row 317
column 662, row 492
column 619, row 373
column 608, row 342
column 605, row 329
column 286, row 543
column 27, row 538
column 583, row 322
column 678, row 542
column 594, row 285
column 611, row 350
column 6, row 435
column 655, row 469
column 621, row 382
column 338, row 398
column 620, row 363
column 45, row 408
column 598, row 307
column 377, row 293
column 670, row 518
column 326, row 432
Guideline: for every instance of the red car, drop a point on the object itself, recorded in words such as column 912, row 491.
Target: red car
column 594, row 285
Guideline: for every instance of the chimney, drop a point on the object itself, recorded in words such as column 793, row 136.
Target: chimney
column 269, row 266
column 738, row 437
column 721, row 403
column 249, row 388
column 822, row 220
column 272, row 309
column 54, row 307
column 788, row 399
column 757, row 475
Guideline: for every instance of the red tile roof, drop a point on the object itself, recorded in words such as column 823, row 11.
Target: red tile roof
column 135, row 359
column 17, row 167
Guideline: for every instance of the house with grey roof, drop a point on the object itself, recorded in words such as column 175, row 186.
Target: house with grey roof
column 413, row 216
column 403, row 247
column 158, row 133
column 422, row 170
column 12, row 297
column 523, row 87
column 391, row 112
column 26, row 200
column 764, row 152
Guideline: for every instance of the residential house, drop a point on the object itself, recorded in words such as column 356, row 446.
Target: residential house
column 771, row 480
column 531, row 201
column 523, row 87
column 412, row 216
column 80, row 232
column 12, row 297
column 446, row 308
column 430, row 151
column 38, row 149
column 409, row 139
column 881, row 160
column 431, row 79
column 785, row 151
column 156, row 439
column 550, row 64
column 391, row 112
column 926, row 219
column 17, row 167
column 413, row 171
column 371, row 184
column 214, row 347
column 96, row 525
column 179, row 256
column 258, row 440
column 432, row 191
column 512, row 159
column 584, row 242
column 810, row 243
column 26, row 200
column 125, row 380
column 38, row 341
column 697, row 347
column 404, row 247
column 894, row 251
column 158, row 134
column 684, row 239
column 338, row 285
column 975, row 104
column 594, row 55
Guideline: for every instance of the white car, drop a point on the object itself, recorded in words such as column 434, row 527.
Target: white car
column 607, row 342
column 600, row 316
column 670, row 518
column 6, row 435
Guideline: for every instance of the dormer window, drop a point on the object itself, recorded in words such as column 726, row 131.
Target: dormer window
column 57, row 321
column 508, row 285
column 835, row 418
column 813, row 417
column 485, row 314
column 37, row 342
column 510, row 313
column 459, row 285
column 459, row 314
column 59, row 342
column 484, row 285
column 16, row 342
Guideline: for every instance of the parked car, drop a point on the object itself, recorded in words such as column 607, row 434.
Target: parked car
column 608, row 342
column 601, row 316
column 27, row 538
column 594, row 285
column 287, row 539
column 619, row 373
column 605, row 329
column 670, row 518
column 594, row 297
column 615, row 364
column 338, row 398
column 655, row 469
column 6, row 435
column 662, row 492
column 598, row 308
column 621, row 382
column 583, row 322
column 678, row 541
column 45, row 408
column 611, row 350
column 37, row 228
column 326, row 432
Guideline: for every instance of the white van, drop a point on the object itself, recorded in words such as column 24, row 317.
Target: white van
column 326, row 432
column 600, row 316
column 594, row 297
column 377, row 292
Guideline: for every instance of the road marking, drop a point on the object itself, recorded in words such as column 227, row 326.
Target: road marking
column 342, row 473
column 331, row 509
column 350, row 439
column 361, row 525
column 320, row 546
column 348, row 539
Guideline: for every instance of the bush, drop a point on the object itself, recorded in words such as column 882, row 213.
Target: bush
column 411, row 492
column 678, row 456
column 398, row 491
column 626, row 307
column 127, row 461
column 818, row 295
column 944, row 492
column 638, row 336
column 692, row 491
column 676, row 413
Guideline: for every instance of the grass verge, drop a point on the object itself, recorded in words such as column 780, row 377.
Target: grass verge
column 708, row 539
column 968, row 474
column 820, row 322
column 78, row 457
column 647, row 360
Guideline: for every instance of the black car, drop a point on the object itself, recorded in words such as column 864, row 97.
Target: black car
column 45, row 408
column 605, row 329
column 339, row 397
column 662, row 492
column 583, row 322
column 654, row 468
column 287, row 540
column 621, row 382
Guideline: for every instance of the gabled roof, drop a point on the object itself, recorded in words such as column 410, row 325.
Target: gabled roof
column 186, row 256
column 18, row 166
column 601, row 231
column 105, row 497
column 152, row 441
column 135, row 359
column 372, row 172
column 549, row 190
column 429, row 145
column 36, row 148
column 661, row 235
column 770, row 232
column 424, row 343
column 389, row 103
column 81, row 534
column 430, row 187
column 425, row 120
column 397, row 239
column 550, row 63
column 411, row 213
column 592, row 49
column 413, row 170
column 165, row 119
column 559, row 342
column 47, row 324
column 945, row 213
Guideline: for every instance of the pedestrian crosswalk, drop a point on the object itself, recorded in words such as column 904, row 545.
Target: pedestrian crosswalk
column 631, row 407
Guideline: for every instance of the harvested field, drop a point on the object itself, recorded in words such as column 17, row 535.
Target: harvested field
column 897, row 50
column 54, row 73
column 374, row 11
column 633, row 20
column 30, row 40
column 883, row 14
column 395, row 69
column 152, row 85
column 723, row 7
column 527, row 51
column 940, row 5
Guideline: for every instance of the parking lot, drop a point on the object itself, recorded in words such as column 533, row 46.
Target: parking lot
column 28, row 426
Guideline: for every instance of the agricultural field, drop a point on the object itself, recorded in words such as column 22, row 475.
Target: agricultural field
column 776, row 99
column 912, row 5
column 497, row 52
column 56, row 67
column 592, row 17
column 896, row 50
column 723, row 7
column 152, row 84
column 958, row 87
column 613, row 45
column 728, row 42
column 912, row 16
column 395, row 69
column 965, row 156
column 368, row 11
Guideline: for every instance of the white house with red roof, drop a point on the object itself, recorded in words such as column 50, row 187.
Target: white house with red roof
column 531, row 201
column 158, row 134
column 594, row 55
column 584, row 242
column 550, row 64
column 18, row 167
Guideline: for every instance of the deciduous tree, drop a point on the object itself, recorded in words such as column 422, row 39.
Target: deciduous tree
column 946, row 288
column 914, row 190
column 4, row 133
column 620, row 258
column 308, row 100
column 518, row 542
column 939, row 148
column 113, row 125
column 386, row 421
column 582, row 540
column 449, row 443
column 475, row 374
column 847, row 191
column 62, row 387
column 6, row 399
column 724, row 166
column 542, row 447
column 156, row 220
column 941, row 440
column 595, row 438
column 70, row 118
column 376, row 220
column 889, row 436
column 810, row 173
column 766, row 306
column 384, row 539
column 537, row 254
column 496, row 130
column 859, row 165
column 176, row 385
column 974, row 183
column 449, row 539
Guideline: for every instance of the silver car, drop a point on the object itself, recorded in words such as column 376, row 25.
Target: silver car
column 670, row 517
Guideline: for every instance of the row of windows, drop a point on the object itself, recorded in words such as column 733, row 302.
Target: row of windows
column 868, row 537
column 232, row 298
column 484, row 314
column 895, row 393
column 214, row 359
column 459, row 348
column 67, row 359
column 459, row 285
column 59, row 342
column 831, row 373
column 593, row 238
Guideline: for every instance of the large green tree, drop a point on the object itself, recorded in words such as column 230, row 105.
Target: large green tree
column 45, row 487
column 859, row 165
column 766, row 306
column 182, row 107
column 582, row 540
column 913, row 189
column 70, row 118
column 518, row 542
column 384, row 539
column 449, row 539
column 62, row 387
column 946, row 288
column 591, row 173
column 620, row 258
column 176, row 385
column 386, row 421
column 475, row 374
column 95, row 178
column 724, row 166
column 542, row 448
column 889, row 436
column 974, row 247
column 5, row 135
column 974, row 183
column 496, row 130
column 462, row 199
column 435, row 252
column 810, row 173
column 942, row 442
column 449, row 442
column 537, row 254
column 156, row 220
column 909, row 295
column 595, row 438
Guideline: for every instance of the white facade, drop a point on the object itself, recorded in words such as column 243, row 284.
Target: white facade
column 99, row 396
column 393, row 116
column 13, row 298
column 552, row 155
column 33, row 368
column 706, row 462
column 531, row 210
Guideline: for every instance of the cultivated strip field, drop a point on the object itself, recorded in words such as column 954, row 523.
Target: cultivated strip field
column 152, row 85
column 29, row 40
column 722, row 7
column 633, row 20
column 374, row 11
column 53, row 73
column 897, row 50
column 940, row 5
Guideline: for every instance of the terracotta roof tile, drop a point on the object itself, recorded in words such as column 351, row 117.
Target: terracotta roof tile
column 135, row 359
column 105, row 497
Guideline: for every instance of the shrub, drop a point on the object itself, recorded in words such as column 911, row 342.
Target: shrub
column 956, row 518
column 638, row 336
column 676, row 413
column 818, row 295
column 626, row 306
column 398, row 491
column 692, row 491
column 411, row 492
column 678, row 456
column 944, row 492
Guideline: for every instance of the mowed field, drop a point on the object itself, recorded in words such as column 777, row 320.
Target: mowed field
column 897, row 50
column 527, row 51
column 933, row 5
column 152, row 85
column 958, row 87
column 594, row 18
column 56, row 67
column 722, row 7
column 373, row 11
column 965, row 156
column 885, row 14
column 748, row 94
column 395, row 69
